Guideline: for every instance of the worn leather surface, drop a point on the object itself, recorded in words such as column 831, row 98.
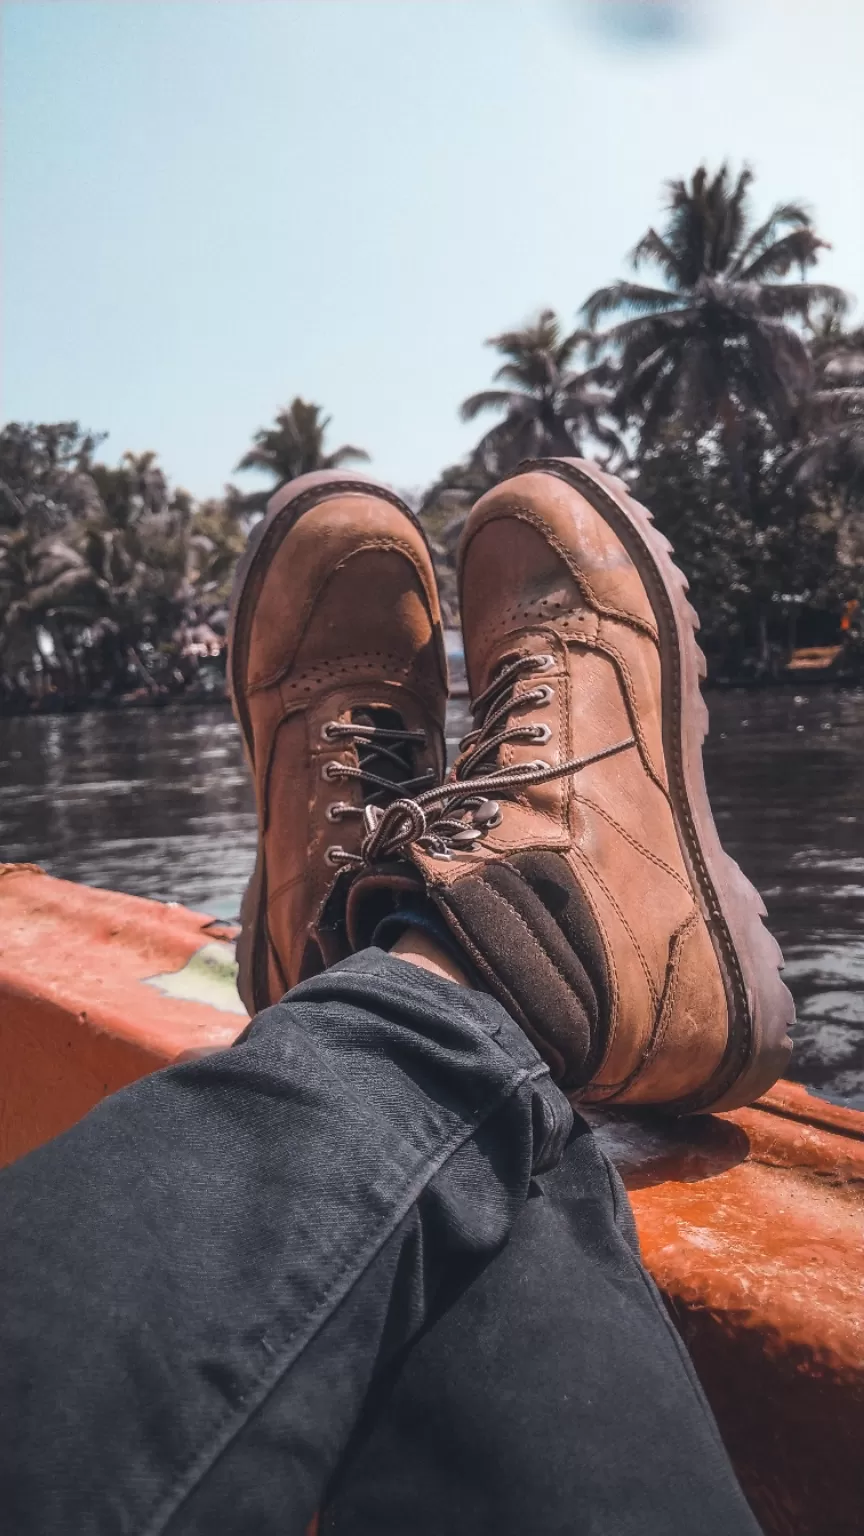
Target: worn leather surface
column 542, row 572
column 347, row 618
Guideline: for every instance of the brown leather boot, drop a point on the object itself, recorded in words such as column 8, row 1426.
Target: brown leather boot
column 574, row 854
column 338, row 681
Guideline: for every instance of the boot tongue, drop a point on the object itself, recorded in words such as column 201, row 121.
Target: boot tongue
column 395, row 769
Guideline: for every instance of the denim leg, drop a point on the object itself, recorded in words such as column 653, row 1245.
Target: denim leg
column 553, row 1395
column 201, row 1281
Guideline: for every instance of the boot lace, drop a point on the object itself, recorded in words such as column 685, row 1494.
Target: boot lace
column 385, row 758
column 451, row 817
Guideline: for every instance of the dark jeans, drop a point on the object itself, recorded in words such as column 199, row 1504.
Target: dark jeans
column 327, row 1270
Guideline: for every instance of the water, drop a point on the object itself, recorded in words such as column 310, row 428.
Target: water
column 158, row 804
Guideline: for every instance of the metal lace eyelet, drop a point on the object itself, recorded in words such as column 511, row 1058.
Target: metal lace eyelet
column 335, row 856
column 330, row 771
column 542, row 733
column 544, row 694
column 336, row 811
column 465, row 839
column 543, row 663
column 487, row 815
column 329, row 731
column 538, row 762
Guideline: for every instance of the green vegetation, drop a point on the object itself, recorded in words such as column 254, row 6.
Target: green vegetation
column 730, row 396
column 728, row 391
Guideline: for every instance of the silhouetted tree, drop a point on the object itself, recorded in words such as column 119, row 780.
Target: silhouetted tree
column 721, row 342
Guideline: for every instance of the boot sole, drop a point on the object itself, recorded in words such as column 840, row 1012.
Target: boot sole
column 284, row 510
column 760, row 1006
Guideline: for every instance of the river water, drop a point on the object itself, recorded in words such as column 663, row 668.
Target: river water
column 158, row 804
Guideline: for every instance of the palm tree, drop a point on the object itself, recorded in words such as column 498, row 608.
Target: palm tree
column 133, row 489
column 548, row 407
column 294, row 445
column 45, row 474
column 722, row 341
column 828, row 452
column 139, row 546
column 44, row 582
column 219, row 532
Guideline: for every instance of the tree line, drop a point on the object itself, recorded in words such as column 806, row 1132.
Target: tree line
column 719, row 379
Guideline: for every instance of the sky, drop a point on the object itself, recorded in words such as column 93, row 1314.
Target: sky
column 210, row 206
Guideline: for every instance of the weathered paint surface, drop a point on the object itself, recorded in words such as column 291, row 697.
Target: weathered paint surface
column 95, row 990
column 209, row 976
column 752, row 1223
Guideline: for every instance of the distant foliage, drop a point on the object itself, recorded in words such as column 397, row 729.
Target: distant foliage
column 728, row 389
column 764, row 558
column 293, row 446
column 730, row 393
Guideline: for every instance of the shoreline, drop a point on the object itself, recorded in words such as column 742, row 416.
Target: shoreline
column 126, row 705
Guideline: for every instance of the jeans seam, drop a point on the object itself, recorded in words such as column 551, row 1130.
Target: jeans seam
column 613, row 1189
column 185, row 1485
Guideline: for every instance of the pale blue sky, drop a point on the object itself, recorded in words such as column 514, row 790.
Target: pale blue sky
column 212, row 205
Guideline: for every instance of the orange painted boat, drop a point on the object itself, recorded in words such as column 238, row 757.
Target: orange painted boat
column 752, row 1222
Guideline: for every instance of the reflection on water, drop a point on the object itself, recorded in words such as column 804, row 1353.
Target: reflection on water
column 158, row 804
column 154, row 803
